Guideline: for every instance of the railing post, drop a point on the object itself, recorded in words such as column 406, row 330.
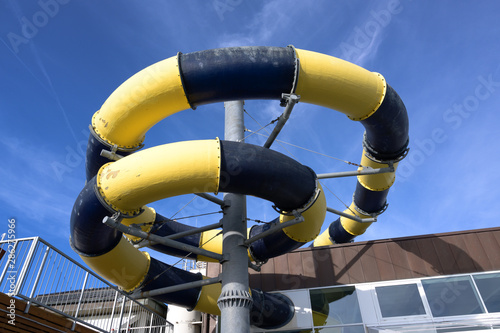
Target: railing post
column 121, row 314
column 151, row 323
column 80, row 300
column 27, row 263
column 113, row 311
column 35, row 285
column 129, row 315
column 7, row 260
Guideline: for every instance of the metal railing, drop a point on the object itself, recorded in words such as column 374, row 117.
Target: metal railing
column 35, row 271
column 491, row 325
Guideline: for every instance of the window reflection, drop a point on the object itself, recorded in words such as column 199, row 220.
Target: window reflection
column 400, row 300
column 335, row 306
column 451, row 296
column 489, row 288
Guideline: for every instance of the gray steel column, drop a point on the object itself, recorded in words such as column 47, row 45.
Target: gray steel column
column 235, row 301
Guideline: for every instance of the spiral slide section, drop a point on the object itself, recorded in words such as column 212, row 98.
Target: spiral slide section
column 141, row 177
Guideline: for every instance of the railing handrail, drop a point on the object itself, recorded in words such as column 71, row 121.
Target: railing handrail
column 26, row 261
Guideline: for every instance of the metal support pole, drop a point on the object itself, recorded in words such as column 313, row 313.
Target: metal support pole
column 171, row 289
column 364, row 171
column 352, row 217
column 115, row 222
column 235, row 301
column 274, row 228
column 182, row 234
column 211, row 198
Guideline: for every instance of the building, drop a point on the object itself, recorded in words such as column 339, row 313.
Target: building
column 446, row 282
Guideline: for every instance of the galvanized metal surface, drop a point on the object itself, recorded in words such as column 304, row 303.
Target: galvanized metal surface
column 235, row 314
column 44, row 276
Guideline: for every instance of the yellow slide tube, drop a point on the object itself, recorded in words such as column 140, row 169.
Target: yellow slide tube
column 143, row 100
column 309, row 229
column 124, row 266
column 351, row 226
column 148, row 215
column 207, row 301
column 339, row 85
column 210, row 240
column 160, row 172
column 378, row 182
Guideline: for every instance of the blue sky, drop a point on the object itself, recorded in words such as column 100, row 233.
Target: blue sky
column 61, row 59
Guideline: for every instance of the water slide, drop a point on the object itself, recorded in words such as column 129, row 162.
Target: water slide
column 126, row 185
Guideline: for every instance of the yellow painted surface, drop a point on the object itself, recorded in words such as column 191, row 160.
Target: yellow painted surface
column 323, row 239
column 207, row 301
column 160, row 172
column 124, row 265
column 378, row 182
column 140, row 102
column 210, row 240
column 310, row 228
column 339, row 85
column 147, row 216
column 351, row 226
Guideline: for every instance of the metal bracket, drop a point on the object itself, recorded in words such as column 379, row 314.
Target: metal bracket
column 114, row 219
column 179, row 287
column 111, row 154
column 298, row 219
column 288, row 101
column 364, row 171
column 297, row 212
column 115, row 222
column 352, row 217
column 146, row 243
column 256, row 266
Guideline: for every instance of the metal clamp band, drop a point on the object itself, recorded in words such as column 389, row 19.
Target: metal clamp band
column 111, row 146
column 297, row 70
column 374, row 214
column 372, row 153
column 297, row 212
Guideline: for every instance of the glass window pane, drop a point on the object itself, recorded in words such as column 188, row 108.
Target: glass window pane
column 343, row 329
column 489, row 288
column 401, row 300
column 335, row 306
column 452, row 296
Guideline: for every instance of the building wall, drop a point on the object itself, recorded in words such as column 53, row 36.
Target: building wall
column 379, row 260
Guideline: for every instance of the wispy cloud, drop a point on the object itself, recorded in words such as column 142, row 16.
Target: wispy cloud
column 31, row 191
column 268, row 23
